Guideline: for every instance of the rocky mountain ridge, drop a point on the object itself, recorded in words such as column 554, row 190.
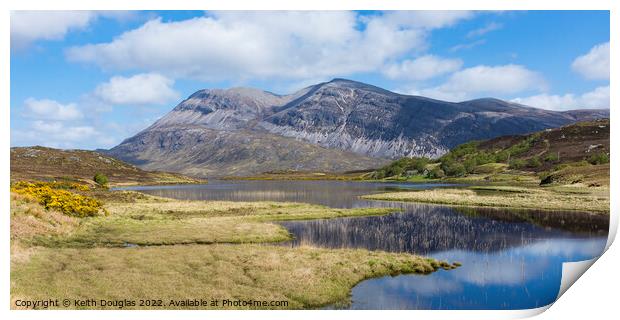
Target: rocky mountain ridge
column 345, row 125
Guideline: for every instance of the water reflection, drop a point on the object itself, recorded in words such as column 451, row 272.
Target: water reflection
column 337, row 194
column 517, row 278
column 423, row 229
column 511, row 259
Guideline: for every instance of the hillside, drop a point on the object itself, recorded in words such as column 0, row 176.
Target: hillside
column 335, row 126
column 41, row 163
column 569, row 154
column 202, row 152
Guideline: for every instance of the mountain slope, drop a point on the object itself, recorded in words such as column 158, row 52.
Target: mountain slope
column 368, row 120
column 41, row 163
column 199, row 151
column 339, row 125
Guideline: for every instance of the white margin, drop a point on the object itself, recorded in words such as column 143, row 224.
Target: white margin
column 571, row 271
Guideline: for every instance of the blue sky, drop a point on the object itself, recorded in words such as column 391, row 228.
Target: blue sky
column 90, row 79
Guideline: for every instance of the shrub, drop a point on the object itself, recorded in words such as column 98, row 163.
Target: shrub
column 379, row 174
column 469, row 165
column 517, row 164
column 436, row 173
column 502, row 156
column 395, row 171
column 464, row 149
column 485, row 157
column 453, row 169
column 534, row 162
column 50, row 196
column 401, row 166
column 523, row 146
column 100, row 179
column 552, row 157
column 599, row 158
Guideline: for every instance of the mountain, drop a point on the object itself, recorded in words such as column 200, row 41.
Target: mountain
column 41, row 163
column 339, row 125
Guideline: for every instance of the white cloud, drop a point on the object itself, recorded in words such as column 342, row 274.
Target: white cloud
column 148, row 88
column 467, row 46
column 59, row 131
column 30, row 26
column 595, row 99
column 69, row 125
column 433, row 19
column 484, row 30
column 486, row 80
column 594, row 64
column 51, row 110
column 58, row 134
column 288, row 45
column 422, row 68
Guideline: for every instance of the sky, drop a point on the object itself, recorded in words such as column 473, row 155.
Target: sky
column 90, row 79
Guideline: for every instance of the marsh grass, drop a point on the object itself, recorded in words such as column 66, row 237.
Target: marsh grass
column 566, row 198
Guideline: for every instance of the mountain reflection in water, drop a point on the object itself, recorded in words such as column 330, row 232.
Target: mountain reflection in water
column 425, row 229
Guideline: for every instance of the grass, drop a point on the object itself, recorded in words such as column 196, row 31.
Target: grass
column 29, row 219
column 159, row 221
column 305, row 277
column 513, row 178
column 192, row 249
column 490, row 168
column 561, row 198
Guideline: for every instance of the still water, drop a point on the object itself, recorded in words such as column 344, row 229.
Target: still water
column 512, row 259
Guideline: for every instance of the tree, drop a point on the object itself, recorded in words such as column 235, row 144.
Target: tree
column 453, row 168
column 436, row 173
column 470, row 165
column 100, row 179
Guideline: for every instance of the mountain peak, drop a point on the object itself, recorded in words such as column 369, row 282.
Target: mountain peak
column 234, row 91
column 352, row 84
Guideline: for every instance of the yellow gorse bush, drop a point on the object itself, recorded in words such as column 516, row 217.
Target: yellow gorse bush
column 55, row 195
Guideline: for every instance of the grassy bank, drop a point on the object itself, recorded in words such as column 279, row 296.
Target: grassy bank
column 579, row 198
column 190, row 249
column 304, row 277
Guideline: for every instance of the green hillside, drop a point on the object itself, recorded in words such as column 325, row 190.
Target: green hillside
column 570, row 154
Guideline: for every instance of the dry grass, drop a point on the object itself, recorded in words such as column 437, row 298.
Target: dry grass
column 305, row 277
column 29, row 219
column 574, row 198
